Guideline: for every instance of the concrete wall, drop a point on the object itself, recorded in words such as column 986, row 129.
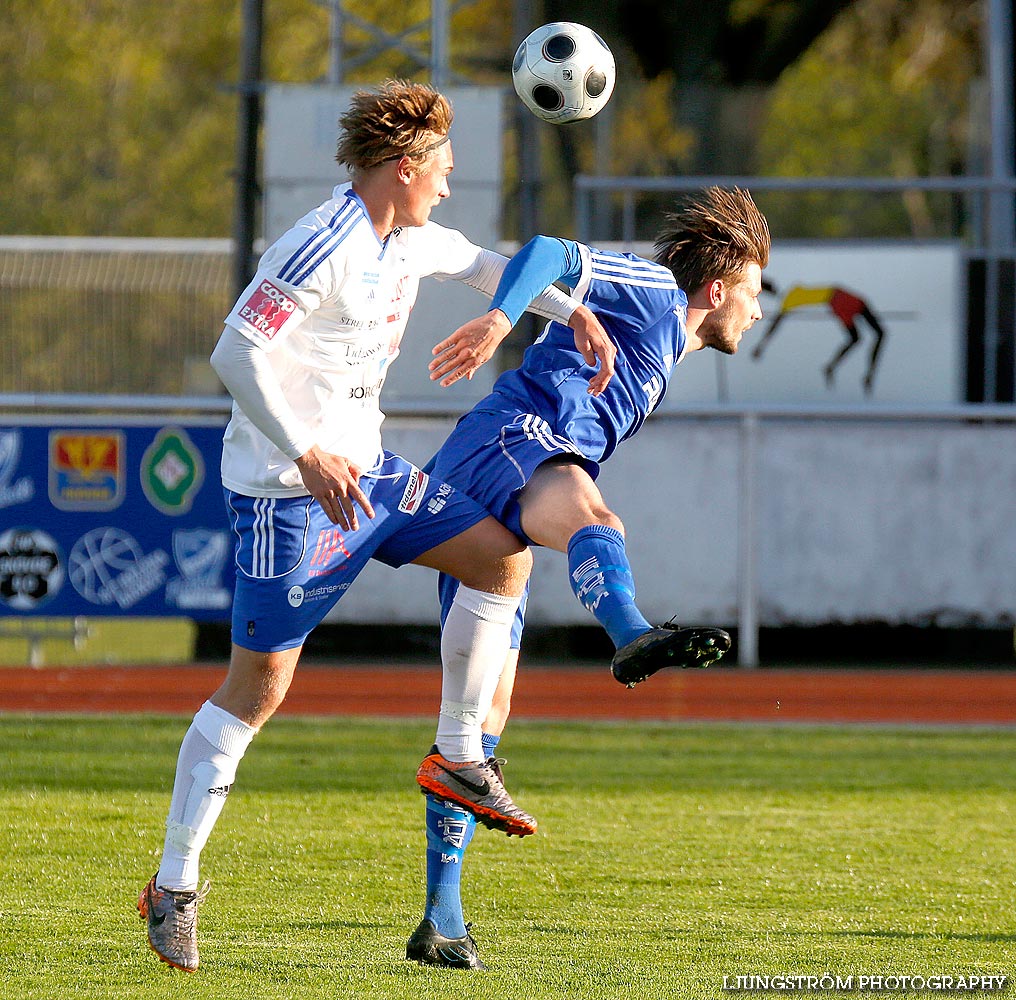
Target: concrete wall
column 849, row 519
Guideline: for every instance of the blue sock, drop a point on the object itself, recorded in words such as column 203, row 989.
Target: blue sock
column 601, row 577
column 490, row 742
column 449, row 831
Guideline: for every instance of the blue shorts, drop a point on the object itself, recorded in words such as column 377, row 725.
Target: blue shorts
column 491, row 455
column 293, row 564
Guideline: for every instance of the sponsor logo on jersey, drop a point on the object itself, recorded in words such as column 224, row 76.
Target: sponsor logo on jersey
column 323, row 590
column 31, row 570
column 401, row 291
column 653, row 389
column 330, row 553
column 86, row 469
column 300, row 595
column 412, row 496
column 348, row 323
column 367, row 391
column 268, row 309
column 437, row 502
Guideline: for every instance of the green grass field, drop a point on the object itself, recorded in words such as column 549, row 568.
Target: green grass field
column 669, row 857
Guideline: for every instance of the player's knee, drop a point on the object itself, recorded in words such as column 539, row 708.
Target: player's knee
column 506, row 574
column 256, row 685
column 605, row 516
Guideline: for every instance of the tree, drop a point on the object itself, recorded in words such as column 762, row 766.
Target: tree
column 886, row 91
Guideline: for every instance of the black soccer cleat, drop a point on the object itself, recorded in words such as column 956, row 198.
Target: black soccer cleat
column 428, row 947
column 668, row 646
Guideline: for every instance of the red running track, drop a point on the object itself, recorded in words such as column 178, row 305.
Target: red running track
column 897, row 696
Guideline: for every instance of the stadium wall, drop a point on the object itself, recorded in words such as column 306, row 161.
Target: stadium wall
column 750, row 517
column 809, row 518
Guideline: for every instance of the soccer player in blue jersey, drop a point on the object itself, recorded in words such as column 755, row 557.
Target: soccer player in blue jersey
column 531, row 450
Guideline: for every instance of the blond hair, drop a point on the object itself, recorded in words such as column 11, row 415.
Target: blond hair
column 398, row 119
column 714, row 234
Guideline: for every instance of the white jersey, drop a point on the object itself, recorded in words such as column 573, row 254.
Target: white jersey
column 329, row 305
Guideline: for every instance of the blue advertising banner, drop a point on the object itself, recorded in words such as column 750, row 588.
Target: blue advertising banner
column 113, row 519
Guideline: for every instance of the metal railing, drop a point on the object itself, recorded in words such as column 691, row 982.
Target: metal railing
column 587, row 187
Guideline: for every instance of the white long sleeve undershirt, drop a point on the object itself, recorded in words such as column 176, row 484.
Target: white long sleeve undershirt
column 247, row 374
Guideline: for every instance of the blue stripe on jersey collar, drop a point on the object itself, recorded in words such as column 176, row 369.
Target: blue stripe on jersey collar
column 321, row 243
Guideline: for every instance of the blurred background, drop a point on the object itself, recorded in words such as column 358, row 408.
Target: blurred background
column 843, row 491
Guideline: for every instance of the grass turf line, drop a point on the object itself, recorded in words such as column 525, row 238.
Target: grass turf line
column 669, row 856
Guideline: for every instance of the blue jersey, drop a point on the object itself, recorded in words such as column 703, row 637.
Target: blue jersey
column 542, row 410
column 644, row 313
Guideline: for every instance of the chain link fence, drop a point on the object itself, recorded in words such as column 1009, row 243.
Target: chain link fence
column 111, row 316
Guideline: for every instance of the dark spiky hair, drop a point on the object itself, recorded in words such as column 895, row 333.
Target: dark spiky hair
column 715, row 233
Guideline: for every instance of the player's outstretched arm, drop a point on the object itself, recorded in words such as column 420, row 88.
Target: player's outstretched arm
column 592, row 342
column 472, row 344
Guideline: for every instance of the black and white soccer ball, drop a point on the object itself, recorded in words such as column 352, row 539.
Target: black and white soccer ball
column 564, row 72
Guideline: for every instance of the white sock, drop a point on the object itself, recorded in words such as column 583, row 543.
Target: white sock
column 211, row 750
column 474, row 645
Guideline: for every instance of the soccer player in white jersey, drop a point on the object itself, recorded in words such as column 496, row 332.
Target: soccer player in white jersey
column 312, row 495
column 530, row 451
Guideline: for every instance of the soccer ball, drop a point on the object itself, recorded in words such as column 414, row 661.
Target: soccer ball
column 563, row 72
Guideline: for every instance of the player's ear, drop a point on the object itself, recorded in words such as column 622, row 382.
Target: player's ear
column 717, row 292
column 404, row 169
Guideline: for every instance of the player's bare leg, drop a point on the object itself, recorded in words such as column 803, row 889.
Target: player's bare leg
column 501, row 706
column 562, row 508
column 212, row 748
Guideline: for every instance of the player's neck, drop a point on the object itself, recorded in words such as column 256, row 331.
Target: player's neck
column 380, row 207
column 694, row 320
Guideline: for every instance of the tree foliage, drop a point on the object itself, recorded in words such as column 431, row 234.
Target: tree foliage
column 886, row 91
column 118, row 117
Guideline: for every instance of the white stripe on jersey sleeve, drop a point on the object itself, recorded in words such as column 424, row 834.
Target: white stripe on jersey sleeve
column 626, row 271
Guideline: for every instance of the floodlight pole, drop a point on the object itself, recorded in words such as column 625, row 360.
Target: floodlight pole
column 526, row 15
column 999, row 45
column 248, row 126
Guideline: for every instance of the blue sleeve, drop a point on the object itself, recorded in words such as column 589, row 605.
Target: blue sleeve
column 541, row 262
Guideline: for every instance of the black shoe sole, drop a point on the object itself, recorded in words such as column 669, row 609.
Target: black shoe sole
column 427, row 947
column 684, row 648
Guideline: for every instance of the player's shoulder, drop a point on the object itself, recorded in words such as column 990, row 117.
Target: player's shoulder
column 620, row 267
column 431, row 235
column 324, row 236
column 436, row 249
column 335, row 218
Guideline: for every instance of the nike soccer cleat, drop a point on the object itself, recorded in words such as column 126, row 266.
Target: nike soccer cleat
column 668, row 646
column 477, row 787
column 428, row 947
column 172, row 923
